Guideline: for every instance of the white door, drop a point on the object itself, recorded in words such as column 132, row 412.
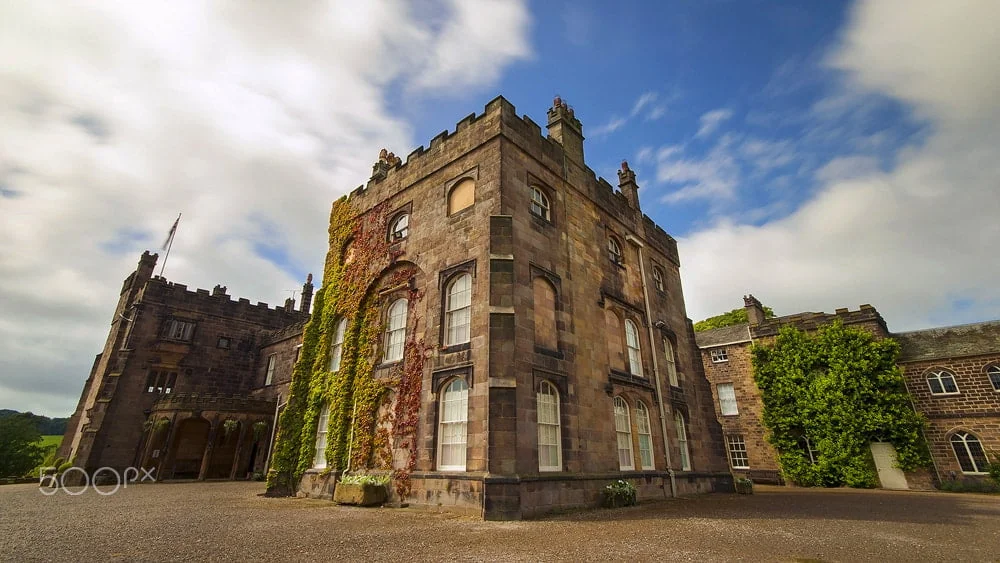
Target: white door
column 889, row 473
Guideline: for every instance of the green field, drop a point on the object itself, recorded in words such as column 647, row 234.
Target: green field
column 51, row 441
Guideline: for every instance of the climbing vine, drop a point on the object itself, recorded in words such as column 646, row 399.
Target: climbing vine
column 358, row 256
column 834, row 392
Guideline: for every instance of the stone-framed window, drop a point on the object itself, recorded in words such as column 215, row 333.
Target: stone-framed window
column 400, row 227
column 993, row 373
column 969, row 452
column 645, row 436
column 540, row 206
column 719, row 355
column 658, row 282
column 615, row 251
column 319, row 456
column 623, row 432
column 737, row 448
column 671, row 363
column 544, row 311
column 175, row 329
column 727, row 399
column 458, row 310
column 942, row 382
column 634, row 349
column 161, row 381
column 461, row 196
column 682, row 440
column 453, row 423
column 549, row 429
column 395, row 331
column 271, row 360
column 337, row 346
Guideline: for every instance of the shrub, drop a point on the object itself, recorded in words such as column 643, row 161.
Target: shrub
column 970, row 486
column 994, row 468
column 619, row 493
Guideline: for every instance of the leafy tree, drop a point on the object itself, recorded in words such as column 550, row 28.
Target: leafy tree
column 20, row 446
column 834, row 392
column 734, row 317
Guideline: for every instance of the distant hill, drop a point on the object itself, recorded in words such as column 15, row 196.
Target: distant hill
column 46, row 426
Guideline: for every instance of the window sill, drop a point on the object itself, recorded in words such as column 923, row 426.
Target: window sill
column 955, row 394
column 549, row 352
column 455, row 348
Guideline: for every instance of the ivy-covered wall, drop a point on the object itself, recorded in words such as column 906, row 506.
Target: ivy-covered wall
column 841, row 389
column 360, row 264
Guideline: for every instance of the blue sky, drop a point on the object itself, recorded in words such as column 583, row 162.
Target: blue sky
column 816, row 154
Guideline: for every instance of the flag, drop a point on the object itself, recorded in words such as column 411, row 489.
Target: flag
column 170, row 235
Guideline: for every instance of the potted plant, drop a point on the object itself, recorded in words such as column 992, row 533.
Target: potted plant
column 744, row 485
column 361, row 489
column 619, row 493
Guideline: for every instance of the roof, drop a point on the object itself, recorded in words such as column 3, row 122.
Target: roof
column 949, row 341
column 723, row 335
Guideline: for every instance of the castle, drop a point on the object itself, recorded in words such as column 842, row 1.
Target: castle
column 499, row 330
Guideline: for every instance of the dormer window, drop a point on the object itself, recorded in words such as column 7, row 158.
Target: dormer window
column 615, row 251
column 400, row 228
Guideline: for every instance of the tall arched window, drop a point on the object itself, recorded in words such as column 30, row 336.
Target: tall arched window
column 668, row 353
column 634, row 353
column 993, row 372
column 645, row 435
column 942, row 382
column 319, row 457
column 453, row 427
column 682, row 440
column 337, row 347
column 546, row 335
column 613, row 334
column 623, row 430
column 400, row 227
column 540, row 204
column 658, row 279
column 615, row 251
column 458, row 309
column 395, row 331
column 969, row 452
column 549, row 438
column 462, row 195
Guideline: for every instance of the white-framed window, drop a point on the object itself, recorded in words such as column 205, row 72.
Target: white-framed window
column 727, row 399
column 271, row 360
column 634, row 352
column 645, row 436
column 549, row 435
column 319, row 456
column 540, row 204
column 668, row 352
column 623, row 430
column 161, row 382
column 178, row 330
column 395, row 331
column 458, row 310
column 400, row 227
column 682, row 440
column 942, row 382
column 453, row 426
column 970, row 454
column 615, row 251
column 337, row 347
column 658, row 279
column 737, row 452
column 993, row 372
column 719, row 355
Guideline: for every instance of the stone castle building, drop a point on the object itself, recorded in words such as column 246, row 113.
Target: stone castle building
column 952, row 375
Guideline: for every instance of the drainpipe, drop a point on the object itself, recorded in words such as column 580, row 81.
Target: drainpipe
column 274, row 430
column 656, row 365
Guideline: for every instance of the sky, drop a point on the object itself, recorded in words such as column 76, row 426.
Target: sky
column 816, row 154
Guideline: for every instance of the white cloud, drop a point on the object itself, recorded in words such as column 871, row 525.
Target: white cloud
column 611, row 126
column 714, row 176
column 249, row 118
column 710, row 121
column 912, row 239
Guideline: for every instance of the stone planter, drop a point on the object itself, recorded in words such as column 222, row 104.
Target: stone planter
column 744, row 487
column 360, row 495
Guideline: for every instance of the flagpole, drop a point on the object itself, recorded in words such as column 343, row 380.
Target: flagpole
column 170, row 244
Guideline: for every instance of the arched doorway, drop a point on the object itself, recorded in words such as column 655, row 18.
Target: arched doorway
column 189, row 448
column 227, row 439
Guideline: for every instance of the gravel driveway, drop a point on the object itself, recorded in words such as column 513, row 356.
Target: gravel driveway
column 229, row 521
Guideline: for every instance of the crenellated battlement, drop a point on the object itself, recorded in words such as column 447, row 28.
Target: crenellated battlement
column 177, row 295
column 866, row 314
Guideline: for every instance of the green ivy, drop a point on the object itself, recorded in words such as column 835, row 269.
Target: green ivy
column 842, row 389
column 734, row 317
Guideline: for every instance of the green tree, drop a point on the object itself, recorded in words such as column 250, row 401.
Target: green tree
column 20, row 446
column 734, row 317
column 826, row 396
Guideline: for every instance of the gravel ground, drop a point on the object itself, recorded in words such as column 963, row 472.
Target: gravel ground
column 228, row 521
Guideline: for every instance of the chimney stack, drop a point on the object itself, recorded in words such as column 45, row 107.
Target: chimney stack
column 307, row 294
column 566, row 129
column 755, row 311
column 626, row 183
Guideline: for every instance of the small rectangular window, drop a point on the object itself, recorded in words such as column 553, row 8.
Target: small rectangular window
column 719, row 355
column 270, row 369
column 738, row 452
column 223, row 343
column 178, row 330
column 727, row 399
